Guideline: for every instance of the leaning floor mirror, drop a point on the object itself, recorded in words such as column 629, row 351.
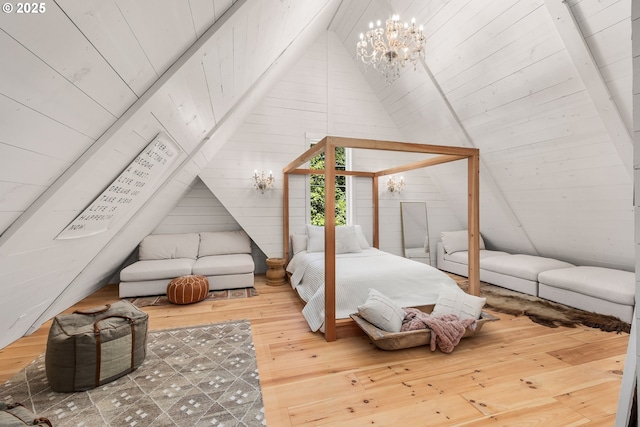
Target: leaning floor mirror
column 415, row 231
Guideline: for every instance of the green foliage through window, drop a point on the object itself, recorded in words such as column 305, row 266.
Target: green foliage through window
column 317, row 189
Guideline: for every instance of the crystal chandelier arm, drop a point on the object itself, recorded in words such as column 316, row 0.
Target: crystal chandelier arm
column 389, row 47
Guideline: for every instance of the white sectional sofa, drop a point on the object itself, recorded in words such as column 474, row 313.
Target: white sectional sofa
column 596, row 289
column 224, row 257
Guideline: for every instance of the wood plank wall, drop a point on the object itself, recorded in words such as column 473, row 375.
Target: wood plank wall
column 199, row 210
column 515, row 91
column 81, row 86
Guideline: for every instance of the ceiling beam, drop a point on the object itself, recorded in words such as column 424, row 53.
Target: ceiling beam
column 569, row 31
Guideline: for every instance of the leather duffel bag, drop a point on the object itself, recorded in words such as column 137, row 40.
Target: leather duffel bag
column 16, row 415
column 86, row 349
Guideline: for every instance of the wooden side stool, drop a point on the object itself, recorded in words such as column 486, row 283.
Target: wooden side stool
column 276, row 274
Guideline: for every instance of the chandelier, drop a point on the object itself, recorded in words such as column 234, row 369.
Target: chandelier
column 390, row 48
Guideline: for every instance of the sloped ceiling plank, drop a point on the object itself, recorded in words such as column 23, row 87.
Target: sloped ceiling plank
column 466, row 18
column 204, row 12
column 71, row 55
column 546, row 103
column 28, row 80
column 494, row 36
column 610, row 48
column 160, row 26
column 67, row 145
column 220, row 7
column 190, row 95
column 519, row 83
column 593, row 81
column 218, row 66
column 348, row 14
column 544, row 43
column 607, row 12
column 581, row 120
column 44, row 169
column 106, row 28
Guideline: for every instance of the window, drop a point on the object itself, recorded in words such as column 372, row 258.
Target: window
column 316, row 189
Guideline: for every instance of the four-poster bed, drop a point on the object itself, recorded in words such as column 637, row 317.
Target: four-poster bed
column 327, row 146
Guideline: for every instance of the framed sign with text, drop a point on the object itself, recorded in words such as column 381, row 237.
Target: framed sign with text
column 130, row 187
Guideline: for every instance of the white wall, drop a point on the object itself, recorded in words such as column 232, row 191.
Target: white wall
column 323, row 94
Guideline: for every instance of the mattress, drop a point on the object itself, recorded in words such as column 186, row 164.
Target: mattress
column 407, row 283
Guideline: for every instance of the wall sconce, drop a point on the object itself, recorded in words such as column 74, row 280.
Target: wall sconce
column 395, row 186
column 262, row 182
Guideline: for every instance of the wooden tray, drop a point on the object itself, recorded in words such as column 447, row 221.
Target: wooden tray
column 399, row 340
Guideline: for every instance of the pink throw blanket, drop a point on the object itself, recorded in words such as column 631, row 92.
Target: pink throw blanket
column 446, row 330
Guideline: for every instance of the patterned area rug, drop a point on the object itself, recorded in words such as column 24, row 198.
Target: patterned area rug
column 157, row 300
column 200, row 376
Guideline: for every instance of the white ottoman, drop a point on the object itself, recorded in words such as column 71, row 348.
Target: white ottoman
column 596, row 289
column 518, row 272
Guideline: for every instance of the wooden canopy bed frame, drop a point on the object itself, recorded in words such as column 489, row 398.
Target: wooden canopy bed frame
column 327, row 146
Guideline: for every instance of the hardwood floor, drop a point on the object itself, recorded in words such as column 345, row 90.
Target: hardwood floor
column 513, row 372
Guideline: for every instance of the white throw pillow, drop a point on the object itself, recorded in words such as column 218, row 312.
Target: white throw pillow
column 346, row 239
column 455, row 301
column 299, row 242
column 380, row 311
column 316, row 238
column 362, row 239
column 224, row 243
column 456, row 241
column 169, row 246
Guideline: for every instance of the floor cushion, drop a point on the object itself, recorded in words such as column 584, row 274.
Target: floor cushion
column 188, row 289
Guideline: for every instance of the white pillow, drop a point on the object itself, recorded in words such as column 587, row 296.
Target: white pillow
column 455, row 301
column 224, row 243
column 362, row 240
column 169, row 246
column 380, row 311
column 299, row 242
column 316, row 238
column 346, row 239
column 456, row 241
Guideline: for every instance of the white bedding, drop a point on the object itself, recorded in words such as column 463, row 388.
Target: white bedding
column 406, row 282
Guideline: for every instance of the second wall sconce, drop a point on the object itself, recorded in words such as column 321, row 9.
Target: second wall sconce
column 262, row 182
column 395, row 185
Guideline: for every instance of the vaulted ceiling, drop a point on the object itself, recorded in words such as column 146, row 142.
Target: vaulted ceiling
column 543, row 89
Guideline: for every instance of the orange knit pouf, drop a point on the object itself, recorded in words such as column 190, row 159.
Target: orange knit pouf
column 188, row 289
